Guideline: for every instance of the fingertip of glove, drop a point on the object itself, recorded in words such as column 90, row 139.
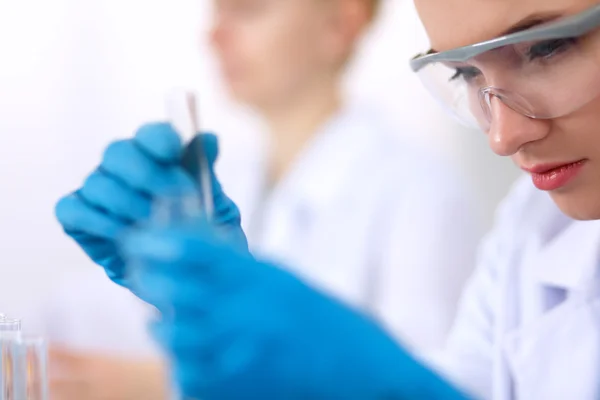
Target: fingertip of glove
column 63, row 209
column 160, row 140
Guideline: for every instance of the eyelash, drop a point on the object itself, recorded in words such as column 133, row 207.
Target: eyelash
column 549, row 48
column 464, row 72
column 542, row 50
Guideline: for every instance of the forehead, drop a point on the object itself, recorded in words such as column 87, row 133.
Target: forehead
column 455, row 23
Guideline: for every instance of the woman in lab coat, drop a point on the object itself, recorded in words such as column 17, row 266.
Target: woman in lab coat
column 313, row 199
column 528, row 326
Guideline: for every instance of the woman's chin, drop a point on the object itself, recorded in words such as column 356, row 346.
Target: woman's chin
column 582, row 205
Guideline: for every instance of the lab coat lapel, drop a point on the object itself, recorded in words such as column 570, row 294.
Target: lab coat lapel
column 242, row 170
column 299, row 203
column 559, row 345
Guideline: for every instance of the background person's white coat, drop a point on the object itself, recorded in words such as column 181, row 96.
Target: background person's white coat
column 378, row 221
column 528, row 325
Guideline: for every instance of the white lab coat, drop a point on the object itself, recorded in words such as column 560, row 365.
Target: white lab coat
column 361, row 214
column 529, row 323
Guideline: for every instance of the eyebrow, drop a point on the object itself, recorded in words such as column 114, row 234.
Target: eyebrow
column 531, row 22
column 524, row 24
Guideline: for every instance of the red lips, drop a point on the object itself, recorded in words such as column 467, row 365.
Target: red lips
column 550, row 177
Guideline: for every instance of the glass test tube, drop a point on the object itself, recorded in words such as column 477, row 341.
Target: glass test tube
column 23, row 363
column 10, row 332
column 31, row 367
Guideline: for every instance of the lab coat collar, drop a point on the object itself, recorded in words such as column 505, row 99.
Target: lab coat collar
column 571, row 259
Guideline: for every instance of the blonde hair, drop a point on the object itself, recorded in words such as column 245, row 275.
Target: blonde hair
column 374, row 6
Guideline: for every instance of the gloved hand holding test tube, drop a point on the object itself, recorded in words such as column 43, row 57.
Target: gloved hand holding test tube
column 243, row 327
column 147, row 181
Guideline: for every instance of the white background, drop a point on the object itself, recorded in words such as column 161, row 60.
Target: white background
column 75, row 74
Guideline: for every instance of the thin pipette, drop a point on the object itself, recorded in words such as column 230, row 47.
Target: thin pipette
column 181, row 107
column 204, row 177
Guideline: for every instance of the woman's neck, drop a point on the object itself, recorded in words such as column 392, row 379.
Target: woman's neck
column 294, row 124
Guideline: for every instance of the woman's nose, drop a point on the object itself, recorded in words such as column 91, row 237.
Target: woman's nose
column 511, row 130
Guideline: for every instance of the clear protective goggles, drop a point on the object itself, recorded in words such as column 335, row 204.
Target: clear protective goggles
column 545, row 72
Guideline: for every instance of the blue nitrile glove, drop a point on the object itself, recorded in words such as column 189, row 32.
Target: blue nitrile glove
column 238, row 328
column 119, row 194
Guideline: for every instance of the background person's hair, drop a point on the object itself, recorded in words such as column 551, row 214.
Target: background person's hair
column 374, row 6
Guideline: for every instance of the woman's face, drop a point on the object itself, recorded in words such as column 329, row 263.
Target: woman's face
column 571, row 142
column 271, row 50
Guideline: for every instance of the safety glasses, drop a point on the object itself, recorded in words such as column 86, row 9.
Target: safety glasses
column 548, row 71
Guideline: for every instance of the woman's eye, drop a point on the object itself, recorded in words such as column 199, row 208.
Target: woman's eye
column 467, row 74
column 549, row 48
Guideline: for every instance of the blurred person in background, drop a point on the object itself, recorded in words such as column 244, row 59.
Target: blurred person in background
column 313, row 197
column 338, row 196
